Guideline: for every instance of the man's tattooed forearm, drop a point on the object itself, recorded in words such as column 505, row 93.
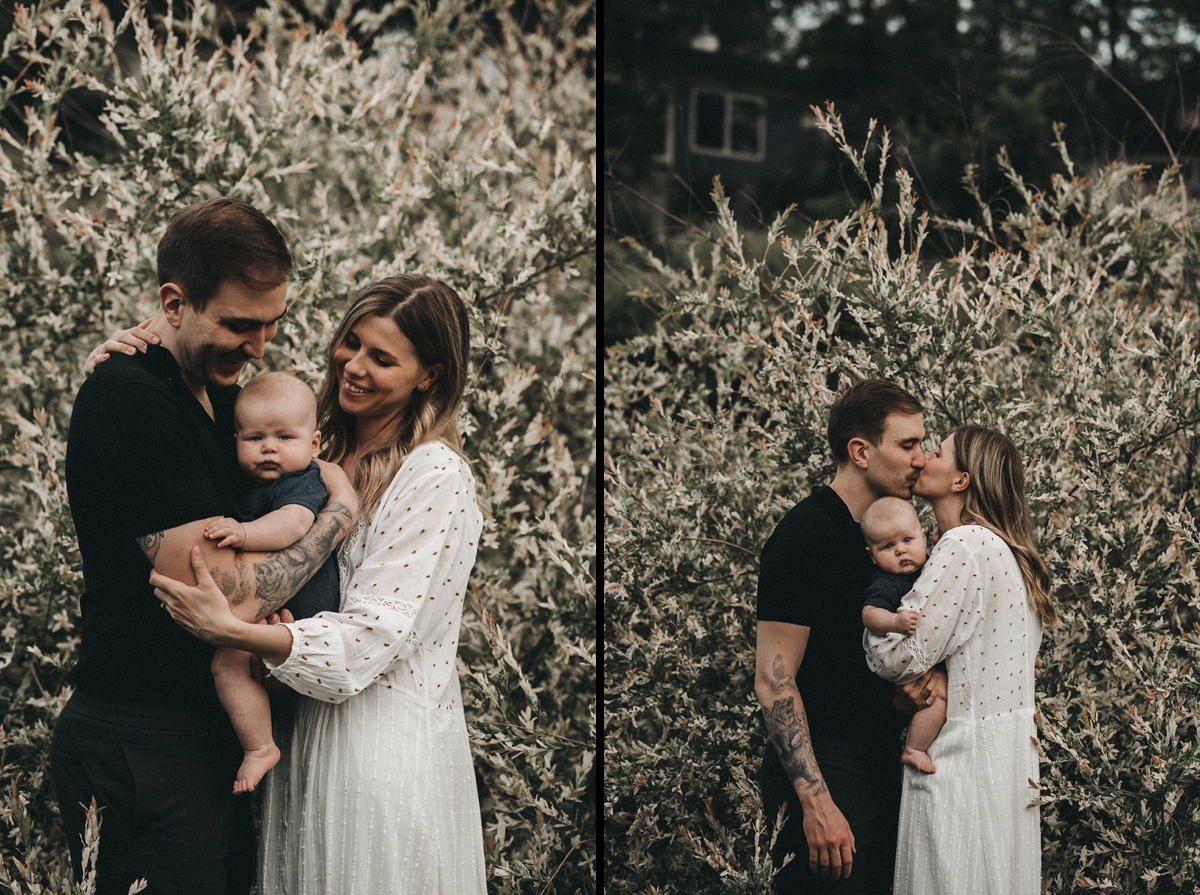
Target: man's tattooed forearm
column 788, row 729
column 150, row 545
column 278, row 577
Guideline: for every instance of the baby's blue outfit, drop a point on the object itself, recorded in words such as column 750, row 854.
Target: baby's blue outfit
column 887, row 589
column 323, row 591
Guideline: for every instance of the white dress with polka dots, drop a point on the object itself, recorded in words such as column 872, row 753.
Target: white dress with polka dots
column 375, row 793
column 972, row 827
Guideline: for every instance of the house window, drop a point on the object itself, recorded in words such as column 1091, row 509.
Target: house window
column 729, row 124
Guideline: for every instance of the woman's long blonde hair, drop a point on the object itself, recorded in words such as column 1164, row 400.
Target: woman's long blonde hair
column 996, row 500
column 435, row 320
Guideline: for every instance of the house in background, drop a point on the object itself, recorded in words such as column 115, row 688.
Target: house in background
column 671, row 125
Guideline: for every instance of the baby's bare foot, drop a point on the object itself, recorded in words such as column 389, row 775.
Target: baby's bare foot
column 255, row 763
column 918, row 759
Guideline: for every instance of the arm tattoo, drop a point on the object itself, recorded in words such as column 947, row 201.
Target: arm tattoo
column 235, row 584
column 150, row 545
column 780, row 679
column 788, row 729
column 274, row 580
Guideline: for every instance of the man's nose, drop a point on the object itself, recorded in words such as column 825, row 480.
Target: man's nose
column 255, row 344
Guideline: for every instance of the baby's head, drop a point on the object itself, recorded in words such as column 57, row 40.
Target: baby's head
column 275, row 418
column 894, row 535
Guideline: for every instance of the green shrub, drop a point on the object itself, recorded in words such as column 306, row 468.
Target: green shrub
column 1065, row 316
column 463, row 148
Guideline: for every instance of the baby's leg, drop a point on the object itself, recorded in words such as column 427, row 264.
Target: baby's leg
column 925, row 726
column 246, row 703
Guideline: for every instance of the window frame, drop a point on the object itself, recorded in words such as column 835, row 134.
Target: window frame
column 667, row 156
column 727, row 151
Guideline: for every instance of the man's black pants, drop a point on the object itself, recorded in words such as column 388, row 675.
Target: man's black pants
column 164, row 781
column 864, row 782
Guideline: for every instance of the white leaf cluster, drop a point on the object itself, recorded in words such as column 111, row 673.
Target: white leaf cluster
column 1066, row 317
column 461, row 146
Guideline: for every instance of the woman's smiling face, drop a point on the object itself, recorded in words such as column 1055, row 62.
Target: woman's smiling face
column 377, row 369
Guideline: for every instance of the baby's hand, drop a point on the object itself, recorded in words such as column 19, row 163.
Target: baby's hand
column 228, row 531
column 906, row 621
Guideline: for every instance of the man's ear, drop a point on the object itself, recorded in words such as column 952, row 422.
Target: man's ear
column 172, row 299
column 857, row 449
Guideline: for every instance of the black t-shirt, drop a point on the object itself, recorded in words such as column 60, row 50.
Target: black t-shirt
column 143, row 456
column 813, row 572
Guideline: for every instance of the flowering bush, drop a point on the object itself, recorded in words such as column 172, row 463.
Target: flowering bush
column 1066, row 317
column 463, row 147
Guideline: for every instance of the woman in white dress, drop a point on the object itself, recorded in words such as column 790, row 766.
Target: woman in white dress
column 983, row 598
column 375, row 792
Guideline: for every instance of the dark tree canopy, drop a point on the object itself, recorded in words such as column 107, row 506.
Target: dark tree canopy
column 952, row 84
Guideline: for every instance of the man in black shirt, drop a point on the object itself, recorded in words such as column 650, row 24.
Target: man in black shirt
column 834, row 756
column 150, row 460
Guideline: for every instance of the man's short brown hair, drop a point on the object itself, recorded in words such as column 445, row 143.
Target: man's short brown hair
column 860, row 412
column 217, row 240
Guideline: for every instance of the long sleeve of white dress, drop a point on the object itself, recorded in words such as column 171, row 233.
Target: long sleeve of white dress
column 949, row 597
column 375, row 793
column 972, row 826
column 421, row 544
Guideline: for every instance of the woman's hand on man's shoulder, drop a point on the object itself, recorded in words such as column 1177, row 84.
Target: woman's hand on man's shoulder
column 124, row 341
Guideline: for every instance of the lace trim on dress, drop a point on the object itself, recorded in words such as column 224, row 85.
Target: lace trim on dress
column 408, row 610
column 915, row 649
column 345, row 564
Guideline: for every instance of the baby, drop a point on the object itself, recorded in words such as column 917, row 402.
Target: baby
column 275, row 420
column 896, row 543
